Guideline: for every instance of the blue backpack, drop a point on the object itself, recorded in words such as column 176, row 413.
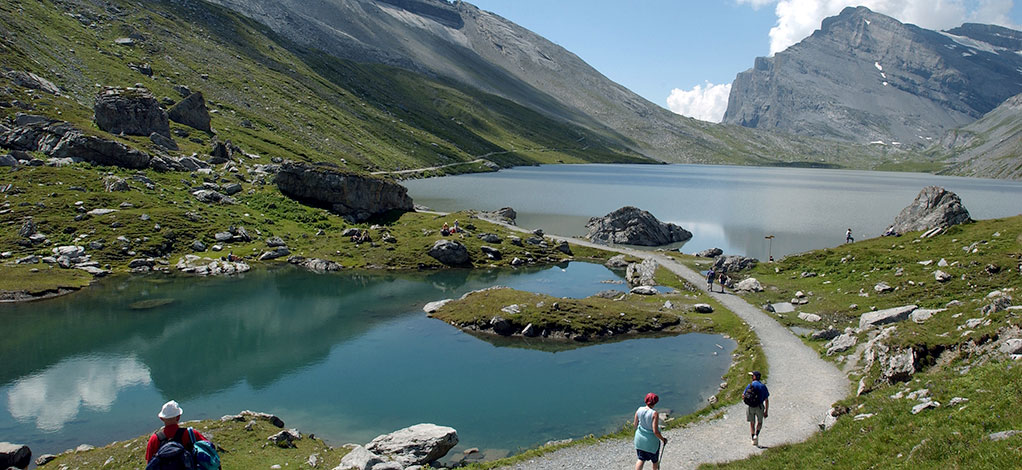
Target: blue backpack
column 172, row 454
column 206, row 457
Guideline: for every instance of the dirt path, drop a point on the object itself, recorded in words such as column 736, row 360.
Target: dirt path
column 802, row 389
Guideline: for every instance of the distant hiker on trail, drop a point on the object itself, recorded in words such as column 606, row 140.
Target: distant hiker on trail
column 161, row 441
column 709, row 279
column 848, row 237
column 723, row 282
column 647, row 433
column 757, row 398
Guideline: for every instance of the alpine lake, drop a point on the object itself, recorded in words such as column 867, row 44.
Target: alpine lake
column 351, row 355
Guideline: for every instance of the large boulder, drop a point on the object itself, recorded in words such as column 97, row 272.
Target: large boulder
column 449, row 252
column 191, row 112
column 749, row 285
column 356, row 197
column 731, row 264
column 641, row 274
column 33, row 81
column 131, row 111
column 360, row 459
column 933, row 207
column 633, row 226
column 883, row 317
column 415, row 445
column 14, row 455
column 60, row 139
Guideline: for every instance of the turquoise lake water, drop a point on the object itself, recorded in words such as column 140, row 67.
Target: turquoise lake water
column 347, row 356
column 728, row 207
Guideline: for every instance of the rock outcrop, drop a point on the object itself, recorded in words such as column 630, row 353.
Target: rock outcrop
column 934, row 207
column 641, row 274
column 449, row 252
column 415, row 445
column 633, row 226
column 356, row 197
column 60, row 139
column 191, row 112
column 732, row 264
column 33, row 81
column 130, row 111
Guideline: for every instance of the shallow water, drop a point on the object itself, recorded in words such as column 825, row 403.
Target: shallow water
column 346, row 356
column 732, row 208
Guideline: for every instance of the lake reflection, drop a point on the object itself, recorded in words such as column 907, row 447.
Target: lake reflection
column 347, row 356
column 729, row 207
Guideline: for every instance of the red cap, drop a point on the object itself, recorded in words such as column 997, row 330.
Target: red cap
column 651, row 399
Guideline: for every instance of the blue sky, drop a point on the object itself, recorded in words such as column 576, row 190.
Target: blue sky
column 683, row 54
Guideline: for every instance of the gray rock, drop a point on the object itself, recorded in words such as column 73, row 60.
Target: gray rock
column 617, row 262
column 883, row 317
column 565, row 248
column 491, row 253
column 934, row 207
column 357, row 197
column 14, row 455
column 1011, row 346
column 191, row 112
column 222, row 152
column 232, row 189
column 285, row 439
column 516, row 241
column 501, row 326
column 130, row 111
column 749, row 285
column 28, row 228
column 530, row 331
column 489, row 238
column 827, row 334
column 1000, row 436
column 359, row 458
column 449, row 252
column 44, row 459
column 710, row 253
column 702, row 308
column 505, row 215
column 114, row 183
column 197, row 245
column 644, row 290
column 247, row 414
column 275, row 242
column 809, row 317
column 163, row 141
column 33, row 81
column 316, row 264
column 415, row 445
column 60, row 140
column 8, row 160
column 633, row 226
column 641, row 274
column 223, row 236
column 883, row 287
column 182, row 90
column 783, row 307
column 941, row 276
column 732, row 264
column 432, row 307
column 841, row 343
column 926, row 405
column 921, row 315
column 209, row 196
column 279, row 252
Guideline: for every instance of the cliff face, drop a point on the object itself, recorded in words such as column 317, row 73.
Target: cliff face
column 865, row 77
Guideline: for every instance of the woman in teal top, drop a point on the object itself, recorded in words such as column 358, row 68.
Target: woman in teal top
column 647, row 433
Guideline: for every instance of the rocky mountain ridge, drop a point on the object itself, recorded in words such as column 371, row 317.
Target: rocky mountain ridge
column 868, row 78
column 990, row 147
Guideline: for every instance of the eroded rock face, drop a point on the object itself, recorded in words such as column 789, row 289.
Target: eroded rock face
column 633, row 226
column 415, row 445
column 933, row 207
column 60, row 139
column 191, row 112
column 356, row 197
column 130, row 111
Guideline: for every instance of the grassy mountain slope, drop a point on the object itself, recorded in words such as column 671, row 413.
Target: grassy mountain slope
column 959, row 352
column 990, row 147
column 290, row 109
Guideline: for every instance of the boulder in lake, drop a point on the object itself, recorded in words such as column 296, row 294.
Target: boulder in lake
column 415, row 445
column 130, row 111
column 14, row 455
column 731, row 264
column 934, row 207
column 633, row 226
column 449, row 252
column 356, row 197
column 191, row 112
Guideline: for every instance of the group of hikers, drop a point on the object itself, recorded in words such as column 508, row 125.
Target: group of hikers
column 650, row 442
column 447, row 230
column 721, row 278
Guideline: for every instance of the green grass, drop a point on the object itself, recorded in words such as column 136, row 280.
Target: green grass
column 952, row 359
column 238, row 448
column 39, row 279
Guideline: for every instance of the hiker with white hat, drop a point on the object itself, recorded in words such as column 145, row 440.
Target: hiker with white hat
column 171, row 432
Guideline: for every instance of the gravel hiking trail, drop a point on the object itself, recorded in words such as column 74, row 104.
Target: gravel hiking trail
column 802, row 389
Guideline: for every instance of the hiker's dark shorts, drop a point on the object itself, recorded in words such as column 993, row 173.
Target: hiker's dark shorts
column 644, row 456
column 755, row 412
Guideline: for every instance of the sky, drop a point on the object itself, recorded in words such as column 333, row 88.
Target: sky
column 684, row 54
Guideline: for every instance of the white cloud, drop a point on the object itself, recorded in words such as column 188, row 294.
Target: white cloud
column 797, row 19
column 54, row 396
column 706, row 103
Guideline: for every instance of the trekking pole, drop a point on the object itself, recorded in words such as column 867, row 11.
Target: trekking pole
column 663, row 447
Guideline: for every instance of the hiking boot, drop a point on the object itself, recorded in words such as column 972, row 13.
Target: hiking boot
column 755, row 441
